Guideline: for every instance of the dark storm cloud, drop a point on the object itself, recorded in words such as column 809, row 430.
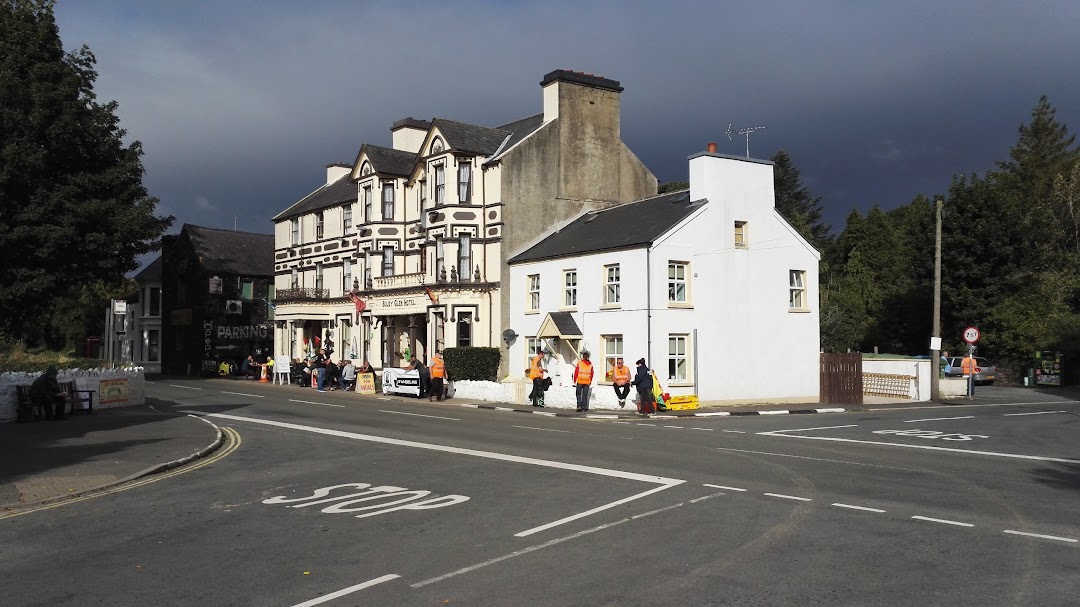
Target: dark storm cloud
column 239, row 105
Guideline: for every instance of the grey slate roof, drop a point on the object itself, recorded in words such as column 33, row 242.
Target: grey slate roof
column 388, row 161
column 340, row 192
column 565, row 323
column 150, row 273
column 470, row 138
column 631, row 225
column 230, row 252
column 520, row 129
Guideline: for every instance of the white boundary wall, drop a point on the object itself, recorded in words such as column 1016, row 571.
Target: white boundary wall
column 919, row 368
column 85, row 379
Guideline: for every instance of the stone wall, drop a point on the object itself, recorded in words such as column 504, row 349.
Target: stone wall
column 85, row 379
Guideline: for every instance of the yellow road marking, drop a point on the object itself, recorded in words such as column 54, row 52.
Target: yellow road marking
column 232, row 443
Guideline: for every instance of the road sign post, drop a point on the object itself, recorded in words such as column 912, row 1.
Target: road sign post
column 971, row 336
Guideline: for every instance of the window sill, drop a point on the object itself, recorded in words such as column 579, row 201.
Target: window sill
column 680, row 384
column 798, row 310
column 529, row 312
column 611, row 306
column 573, row 309
column 680, row 305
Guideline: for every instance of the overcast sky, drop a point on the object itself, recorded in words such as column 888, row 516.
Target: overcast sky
column 241, row 104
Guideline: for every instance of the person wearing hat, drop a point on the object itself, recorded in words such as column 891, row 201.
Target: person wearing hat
column 643, row 381
column 46, row 393
column 583, row 376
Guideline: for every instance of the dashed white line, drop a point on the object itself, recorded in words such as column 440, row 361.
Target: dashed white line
column 453, row 419
column 244, row 394
column 383, row 398
column 311, row 402
column 936, row 419
column 789, row 497
column 185, row 387
column 1045, row 537
column 600, row 416
column 705, row 429
column 722, row 487
column 349, row 590
column 543, row 429
column 644, row 424
column 626, row 423
column 817, row 459
column 943, row 521
column 734, row 431
column 676, row 427
column 839, row 505
column 1035, row 413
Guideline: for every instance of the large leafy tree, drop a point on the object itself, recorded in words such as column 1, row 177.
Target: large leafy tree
column 795, row 201
column 75, row 212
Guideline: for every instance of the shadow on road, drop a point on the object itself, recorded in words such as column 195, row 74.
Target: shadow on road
column 1062, row 476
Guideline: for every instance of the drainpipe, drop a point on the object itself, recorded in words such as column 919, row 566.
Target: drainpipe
column 648, row 304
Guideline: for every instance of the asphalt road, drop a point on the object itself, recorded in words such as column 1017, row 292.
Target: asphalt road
column 335, row 499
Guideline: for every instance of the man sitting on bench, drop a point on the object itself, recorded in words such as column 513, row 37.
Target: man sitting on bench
column 46, row 393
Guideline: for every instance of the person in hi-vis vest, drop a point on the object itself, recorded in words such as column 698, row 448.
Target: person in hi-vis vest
column 620, row 379
column 969, row 368
column 536, row 374
column 583, row 376
column 438, row 374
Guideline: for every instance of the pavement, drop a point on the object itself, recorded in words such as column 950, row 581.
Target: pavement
column 46, row 461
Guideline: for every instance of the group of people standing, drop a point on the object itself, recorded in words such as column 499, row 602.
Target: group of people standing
column 583, row 378
column 327, row 373
column 433, row 377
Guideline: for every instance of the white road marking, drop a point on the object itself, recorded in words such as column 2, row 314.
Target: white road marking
column 817, row 459
column 1045, row 537
column 941, row 520
column 714, row 414
column 692, row 428
column 676, row 427
column 778, row 412
column 185, row 387
column 544, row 413
column 453, row 419
column 778, row 433
column 665, row 483
column 734, row 431
column 808, row 429
column 543, row 429
column 471, row 406
column 311, row 402
column 349, row 590
column 839, row 505
column 722, row 487
column 936, row 419
column 1041, row 402
column 383, row 398
column 504, row 408
column 644, row 424
column 831, row 410
column 243, row 394
column 544, row 545
column 627, row 423
column 789, row 497
column 600, row 416
column 1035, row 413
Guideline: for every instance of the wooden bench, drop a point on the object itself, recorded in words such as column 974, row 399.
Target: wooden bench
column 84, row 398
column 23, row 392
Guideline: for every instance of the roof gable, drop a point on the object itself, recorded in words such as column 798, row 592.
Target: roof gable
column 462, row 137
column 382, row 161
column 631, row 225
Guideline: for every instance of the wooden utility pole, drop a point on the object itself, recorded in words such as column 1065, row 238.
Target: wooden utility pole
column 935, row 354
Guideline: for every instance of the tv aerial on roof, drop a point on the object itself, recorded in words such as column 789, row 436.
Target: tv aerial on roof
column 745, row 131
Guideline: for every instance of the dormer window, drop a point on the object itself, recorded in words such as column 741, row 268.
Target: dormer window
column 440, row 184
column 465, row 181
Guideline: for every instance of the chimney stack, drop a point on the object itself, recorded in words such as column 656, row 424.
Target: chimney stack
column 712, row 147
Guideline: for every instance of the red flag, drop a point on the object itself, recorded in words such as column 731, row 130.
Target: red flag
column 359, row 303
column 431, row 295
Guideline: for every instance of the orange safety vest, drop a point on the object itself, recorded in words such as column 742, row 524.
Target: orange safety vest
column 438, row 367
column 968, row 366
column 621, row 375
column 535, row 372
column 584, row 372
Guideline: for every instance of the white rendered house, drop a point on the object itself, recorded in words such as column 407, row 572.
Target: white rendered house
column 711, row 286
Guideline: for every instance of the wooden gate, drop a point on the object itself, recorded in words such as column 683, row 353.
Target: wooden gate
column 841, row 378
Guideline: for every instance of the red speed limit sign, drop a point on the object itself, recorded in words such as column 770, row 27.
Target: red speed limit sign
column 971, row 335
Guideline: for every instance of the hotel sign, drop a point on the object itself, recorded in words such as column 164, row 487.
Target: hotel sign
column 389, row 306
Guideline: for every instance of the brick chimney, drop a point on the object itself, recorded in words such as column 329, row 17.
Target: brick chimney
column 712, row 147
column 560, row 86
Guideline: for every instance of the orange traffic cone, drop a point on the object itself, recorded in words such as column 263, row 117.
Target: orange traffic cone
column 264, row 379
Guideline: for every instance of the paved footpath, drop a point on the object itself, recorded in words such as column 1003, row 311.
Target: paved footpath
column 45, row 460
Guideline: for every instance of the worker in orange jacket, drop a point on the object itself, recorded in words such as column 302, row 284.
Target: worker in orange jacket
column 969, row 368
column 620, row 379
column 438, row 374
column 583, row 376
column 536, row 374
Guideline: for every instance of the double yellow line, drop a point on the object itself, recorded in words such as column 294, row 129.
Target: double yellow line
column 232, row 443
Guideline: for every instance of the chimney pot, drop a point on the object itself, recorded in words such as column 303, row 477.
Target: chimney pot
column 712, row 147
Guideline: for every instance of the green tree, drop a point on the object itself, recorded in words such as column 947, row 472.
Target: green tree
column 672, row 186
column 1043, row 151
column 75, row 211
column 795, row 202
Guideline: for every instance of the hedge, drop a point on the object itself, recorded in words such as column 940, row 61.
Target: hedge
column 31, row 364
column 472, row 363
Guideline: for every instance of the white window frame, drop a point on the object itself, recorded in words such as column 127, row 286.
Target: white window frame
column 388, row 201
column 465, row 180
column 464, row 258
column 294, row 228
column 440, row 184
column 346, row 276
column 531, row 344
column 346, row 218
column 294, row 282
column 797, row 299
column 388, row 261
column 534, row 292
column 153, row 351
column 320, row 225
column 742, row 240
column 678, row 350
column 367, row 203
column 570, row 288
column 677, row 276
column 440, row 258
column 612, row 284
column 319, row 276
column 613, row 348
